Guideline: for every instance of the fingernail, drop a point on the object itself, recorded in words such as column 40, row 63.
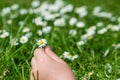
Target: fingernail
column 48, row 47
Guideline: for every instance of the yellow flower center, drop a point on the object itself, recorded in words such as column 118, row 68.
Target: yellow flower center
column 90, row 73
column 83, row 79
column 23, row 39
column 73, row 57
column 41, row 42
column 4, row 34
column 67, row 54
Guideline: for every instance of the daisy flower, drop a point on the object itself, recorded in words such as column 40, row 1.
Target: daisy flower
column 35, row 3
column 102, row 31
column 67, row 55
column 59, row 22
column 113, row 27
column 81, row 11
column 90, row 73
column 41, row 43
column 116, row 45
column 39, row 32
column 100, row 24
column 109, row 68
column 29, row 34
column 72, row 21
column 66, row 9
column 23, row 11
column 4, row 34
column 14, row 42
column 118, row 19
column 5, row 11
column 83, row 78
column 80, row 24
column 74, row 57
column 14, row 7
column 118, row 79
column 80, row 43
column 91, row 31
column 38, row 22
column 26, row 29
column 46, row 29
column 24, row 39
column 72, row 32
column 9, row 21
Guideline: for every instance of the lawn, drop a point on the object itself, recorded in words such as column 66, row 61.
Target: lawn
column 88, row 30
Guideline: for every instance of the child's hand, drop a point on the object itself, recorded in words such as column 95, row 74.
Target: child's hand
column 46, row 65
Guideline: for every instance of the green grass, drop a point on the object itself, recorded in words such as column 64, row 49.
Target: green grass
column 15, row 61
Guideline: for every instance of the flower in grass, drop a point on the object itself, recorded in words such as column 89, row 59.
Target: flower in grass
column 5, row 11
column 118, row 78
column 39, row 22
column 118, row 19
column 90, row 73
column 80, row 24
column 67, row 55
column 72, row 32
column 83, row 78
column 26, row 29
column 80, row 43
column 24, row 39
column 72, row 21
column 113, row 27
column 59, row 3
column 42, row 43
column 66, row 9
column 105, row 14
column 113, row 19
column 97, row 10
column 49, row 17
column 4, row 34
column 53, row 8
column 86, row 37
column 14, row 42
column 29, row 34
column 116, row 46
column 5, row 72
column 35, row 3
column 109, row 68
column 59, row 22
column 14, row 7
column 23, row 11
column 39, row 32
column 102, row 31
column 81, row 11
column 100, row 24
column 74, row 57
column 21, row 23
column 91, row 30
column 46, row 29
column 9, row 21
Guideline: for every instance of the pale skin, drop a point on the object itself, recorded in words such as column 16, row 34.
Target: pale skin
column 46, row 65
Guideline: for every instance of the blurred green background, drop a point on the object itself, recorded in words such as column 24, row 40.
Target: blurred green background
column 108, row 5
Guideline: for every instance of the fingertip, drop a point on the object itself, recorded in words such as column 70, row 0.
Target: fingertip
column 38, row 51
column 48, row 48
